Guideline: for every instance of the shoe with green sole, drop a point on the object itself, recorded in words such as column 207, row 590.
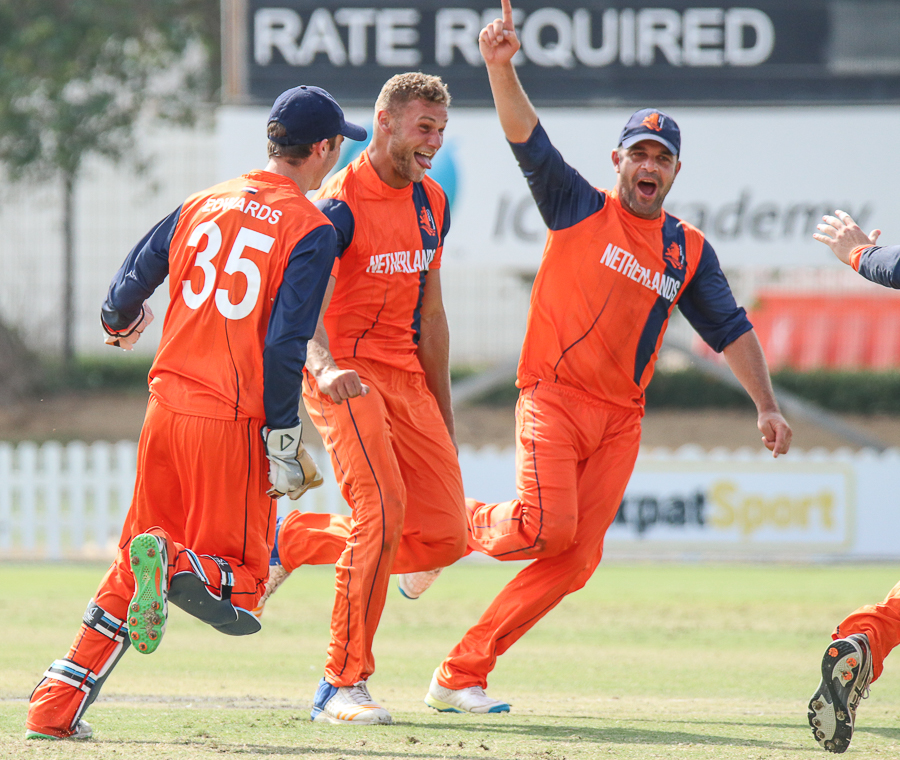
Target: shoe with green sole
column 148, row 609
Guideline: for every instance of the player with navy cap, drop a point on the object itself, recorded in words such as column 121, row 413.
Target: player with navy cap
column 614, row 267
column 248, row 262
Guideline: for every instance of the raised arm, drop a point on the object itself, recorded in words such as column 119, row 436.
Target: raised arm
column 498, row 44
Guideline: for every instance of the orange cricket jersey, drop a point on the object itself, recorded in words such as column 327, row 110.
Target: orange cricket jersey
column 393, row 238
column 227, row 258
column 608, row 283
column 602, row 299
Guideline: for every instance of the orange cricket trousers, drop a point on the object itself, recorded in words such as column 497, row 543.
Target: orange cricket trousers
column 881, row 623
column 201, row 484
column 574, row 457
column 398, row 471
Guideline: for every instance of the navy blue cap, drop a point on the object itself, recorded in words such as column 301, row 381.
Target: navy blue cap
column 309, row 114
column 652, row 124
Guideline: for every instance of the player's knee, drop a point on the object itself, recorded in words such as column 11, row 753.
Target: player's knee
column 585, row 563
column 555, row 537
column 449, row 550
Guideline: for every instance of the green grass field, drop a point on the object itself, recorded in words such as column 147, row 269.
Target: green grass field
column 648, row 661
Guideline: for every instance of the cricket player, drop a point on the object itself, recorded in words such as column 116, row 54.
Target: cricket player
column 614, row 267
column 377, row 387
column 248, row 263
column 855, row 658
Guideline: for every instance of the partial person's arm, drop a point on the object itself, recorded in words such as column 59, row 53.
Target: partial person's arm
column 292, row 324
column 748, row 363
column 708, row 304
column 339, row 384
column 498, row 44
column 124, row 315
column 879, row 264
column 433, row 350
column 292, row 470
column 852, row 246
column 563, row 196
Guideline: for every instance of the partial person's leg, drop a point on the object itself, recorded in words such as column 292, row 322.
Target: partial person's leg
column 221, row 529
column 434, row 527
column 197, row 481
column 312, row 538
column 541, row 521
column 602, row 478
column 881, row 625
column 359, row 439
column 72, row 683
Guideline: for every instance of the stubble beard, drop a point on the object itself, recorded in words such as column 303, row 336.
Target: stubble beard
column 628, row 196
column 404, row 162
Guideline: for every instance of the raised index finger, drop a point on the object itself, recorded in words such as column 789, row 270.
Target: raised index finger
column 507, row 14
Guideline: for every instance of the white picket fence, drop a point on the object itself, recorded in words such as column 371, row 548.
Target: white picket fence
column 68, row 501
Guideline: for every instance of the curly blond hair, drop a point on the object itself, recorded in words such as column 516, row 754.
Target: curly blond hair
column 414, row 85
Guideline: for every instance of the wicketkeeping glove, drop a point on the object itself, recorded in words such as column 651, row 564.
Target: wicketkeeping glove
column 292, row 470
column 125, row 339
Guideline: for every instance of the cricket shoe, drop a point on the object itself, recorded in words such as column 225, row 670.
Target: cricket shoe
column 277, row 574
column 472, row 699
column 347, row 704
column 82, row 731
column 413, row 585
column 148, row 609
column 846, row 674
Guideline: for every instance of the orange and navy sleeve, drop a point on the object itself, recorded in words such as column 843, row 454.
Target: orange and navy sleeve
column 563, row 196
column 879, row 264
column 292, row 323
column 340, row 215
column 708, row 303
column 445, row 227
column 142, row 272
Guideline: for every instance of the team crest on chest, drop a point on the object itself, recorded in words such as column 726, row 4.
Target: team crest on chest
column 426, row 222
column 674, row 256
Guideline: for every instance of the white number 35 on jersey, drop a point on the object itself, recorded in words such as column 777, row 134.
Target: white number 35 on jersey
column 234, row 263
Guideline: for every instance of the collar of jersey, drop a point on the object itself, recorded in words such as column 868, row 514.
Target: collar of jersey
column 369, row 177
column 261, row 175
column 631, row 219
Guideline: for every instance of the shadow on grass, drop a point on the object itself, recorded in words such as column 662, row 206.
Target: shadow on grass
column 885, row 733
column 573, row 732
column 262, row 750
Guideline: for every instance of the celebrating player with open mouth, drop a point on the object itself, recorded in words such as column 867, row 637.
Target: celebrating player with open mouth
column 377, row 387
column 614, row 267
column 248, row 263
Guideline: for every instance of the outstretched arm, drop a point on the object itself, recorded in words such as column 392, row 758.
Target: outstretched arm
column 851, row 245
column 748, row 363
column 498, row 44
column 841, row 234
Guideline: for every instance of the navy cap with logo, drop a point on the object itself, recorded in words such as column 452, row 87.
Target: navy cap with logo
column 309, row 114
column 652, row 124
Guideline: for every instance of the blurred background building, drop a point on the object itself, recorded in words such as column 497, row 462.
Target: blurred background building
column 787, row 112
column 112, row 112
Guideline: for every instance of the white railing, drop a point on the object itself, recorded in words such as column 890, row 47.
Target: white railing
column 69, row 501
